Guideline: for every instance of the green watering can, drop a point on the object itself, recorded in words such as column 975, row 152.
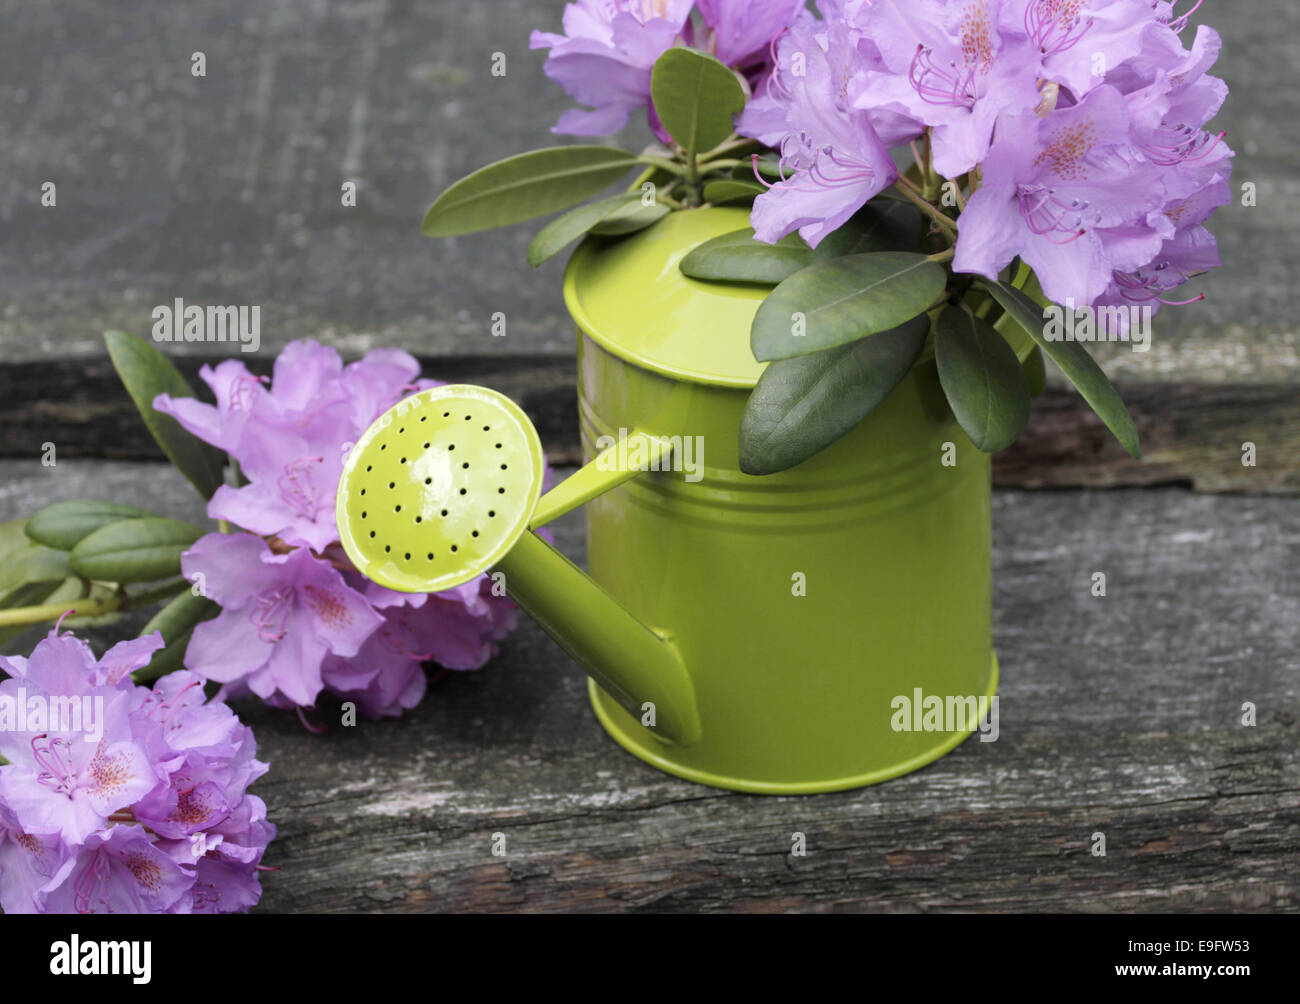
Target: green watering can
column 752, row 633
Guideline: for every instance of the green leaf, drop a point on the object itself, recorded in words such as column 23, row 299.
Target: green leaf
column 524, row 187
column 180, row 614
column 1075, row 362
column 146, row 373
column 176, row 621
column 802, row 405
column 695, row 97
column 564, row 230
column 72, row 590
column 1035, row 372
column 881, row 225
column 720, row 192
column 134, row 550
column 737, row 257
column 769, row 167
column 31, row 575
column 63, row 524
column 833, row 302
column 30, row 594
column 24, row 562
column 168, row 659
column 630, row 219
column 982, row 379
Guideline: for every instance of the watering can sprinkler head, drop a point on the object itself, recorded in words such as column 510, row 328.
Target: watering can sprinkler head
column 439, row 488
column 446, row 485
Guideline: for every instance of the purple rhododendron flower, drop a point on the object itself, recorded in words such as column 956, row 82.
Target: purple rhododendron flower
column 1076, row 201
column 1082, row 121
column 1078, row 126
column 1108, row 208
column 28, row 863
column 119, row 798
column 743, row 29
column 58, row 783
column 605, row 57
column 835, row 159
column 289, row 438
column 296, row 617
column 281, row 614
column 948, row 65
column 118, row 870
column 1078, row 41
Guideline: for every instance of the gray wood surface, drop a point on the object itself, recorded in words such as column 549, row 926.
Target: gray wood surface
column 1119, row 715
column 1192, row 434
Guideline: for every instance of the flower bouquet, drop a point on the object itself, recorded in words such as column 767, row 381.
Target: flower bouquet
column 123, row 781
column 928, row 178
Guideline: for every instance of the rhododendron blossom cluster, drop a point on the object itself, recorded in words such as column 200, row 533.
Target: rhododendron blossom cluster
column 1072, row 132
column 118, row 798
column 296, row 618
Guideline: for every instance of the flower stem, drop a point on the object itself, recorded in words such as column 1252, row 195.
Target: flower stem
column 942, row 256
column 911, row 192
column 91, row 607
column 671, row 166
column 727, row 146
column 53, row 611
column 928, row 175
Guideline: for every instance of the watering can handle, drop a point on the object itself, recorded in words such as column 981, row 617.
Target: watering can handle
column 601, row 475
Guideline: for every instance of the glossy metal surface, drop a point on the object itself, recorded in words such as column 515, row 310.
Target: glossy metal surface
column 802, row 603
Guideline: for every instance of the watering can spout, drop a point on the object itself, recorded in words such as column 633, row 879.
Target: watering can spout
column 633, row 664
column 446, row 485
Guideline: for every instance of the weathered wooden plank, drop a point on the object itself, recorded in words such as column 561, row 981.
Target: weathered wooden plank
column 1119, row 715
column 1192, row 434
column 227, row 188
column 80, row 405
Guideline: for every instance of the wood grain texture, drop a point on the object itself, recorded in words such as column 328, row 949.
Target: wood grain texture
column 1192, row 434
column 226, row 189
column 1119, row 715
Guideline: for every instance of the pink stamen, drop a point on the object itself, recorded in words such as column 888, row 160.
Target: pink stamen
column 54, row 757
column 271, row 612
column 1143, row 290
column 241, row 391
column 296, row 486
column 1182, row 303
column 89, row 882
column 774, row 81
column 1186, row 142
column 952, row 86
column 1179, row 23
column 1055, row 25
column 316, row 730
column 1045, row 214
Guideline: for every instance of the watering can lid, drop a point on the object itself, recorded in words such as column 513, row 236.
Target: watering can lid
column 630, row 297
